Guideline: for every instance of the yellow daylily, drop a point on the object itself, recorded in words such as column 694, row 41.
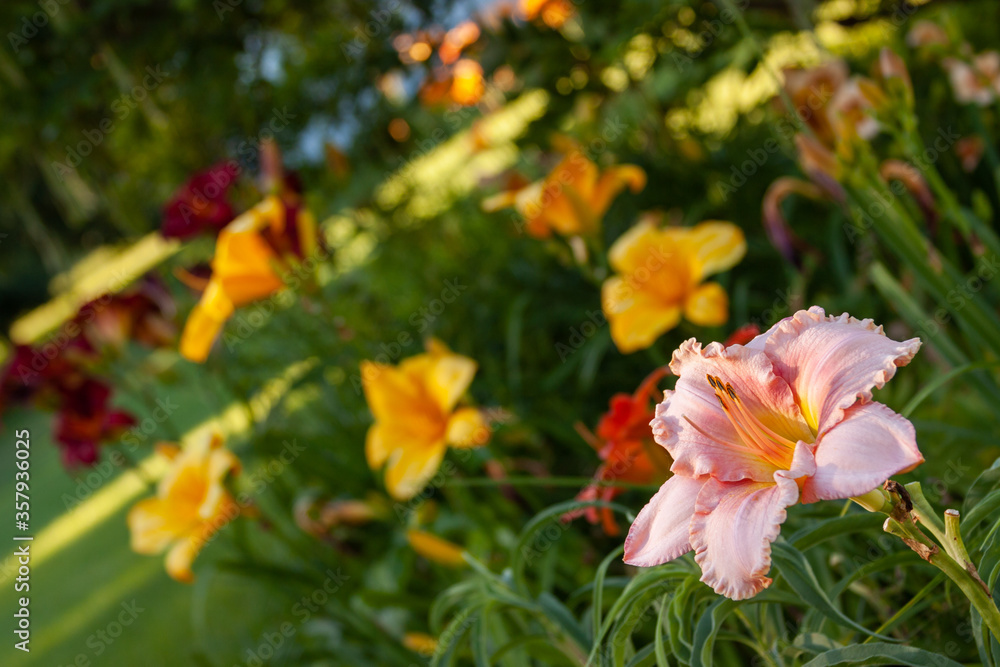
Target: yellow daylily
column 435, row 549
column 415, row 416
column 190, row 506
column 572, row 199
column 660, row 274
column 248, row 253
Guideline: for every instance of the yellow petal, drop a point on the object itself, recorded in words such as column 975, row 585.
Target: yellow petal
column 717, row 246
column 205, row 322
column 499, row 201
column 435, row 549
column 153, row 526
column 387, row 389
column 448, row 379
column 180, row 557
column 437, row 348
column 411, row 467
column 634, row 248
column 467, row 428
column 707, row 306
column 377, row 447
column 637, row 316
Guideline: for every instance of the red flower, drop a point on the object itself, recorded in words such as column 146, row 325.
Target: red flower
column 625, row 444
column 85, row 420
column 200, row 204
column 58, row 376
column 144, row 312
column 39, row 374
column 743, row 335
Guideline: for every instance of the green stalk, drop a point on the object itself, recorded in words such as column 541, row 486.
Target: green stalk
column 925, row 513
column 902, row 236
column 971, row 586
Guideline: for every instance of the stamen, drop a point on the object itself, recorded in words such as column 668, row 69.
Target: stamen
column 755, row 437
column 727, row 445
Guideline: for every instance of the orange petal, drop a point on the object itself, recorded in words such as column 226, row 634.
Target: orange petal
column 613, row 181
column 205, row 322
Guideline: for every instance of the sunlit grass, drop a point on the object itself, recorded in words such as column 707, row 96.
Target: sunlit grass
column 433, row 179
column 73, row 525
column 106, row 269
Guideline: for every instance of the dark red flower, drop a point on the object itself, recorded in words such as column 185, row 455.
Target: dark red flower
column 85, row 420
column 39, row 374
column 143, row 312
column 200, row 204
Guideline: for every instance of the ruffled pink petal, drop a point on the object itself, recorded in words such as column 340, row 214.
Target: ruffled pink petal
column 732, row 530
column 871, row 444
column 692, row 426
column 831, row 362
column 660, row 532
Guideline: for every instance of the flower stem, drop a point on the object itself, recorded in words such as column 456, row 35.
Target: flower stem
column 925, row 514
column 951, row 558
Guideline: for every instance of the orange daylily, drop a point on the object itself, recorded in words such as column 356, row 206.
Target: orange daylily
column 190, row 506
column 416, row 419
column 554, row 13
column 248, row 254
column 660, row 274
column 461, row 83
column 572, row 199
column 624, row 442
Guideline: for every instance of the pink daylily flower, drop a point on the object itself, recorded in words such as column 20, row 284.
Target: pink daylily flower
column 756, row 428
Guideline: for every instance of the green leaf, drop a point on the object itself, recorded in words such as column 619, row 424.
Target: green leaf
column 661, row 649
column 524, row 551
column 939, row 382
column 795, row 569
column 815, row 642
column 598, row 596
column 708, row 627
column 556, row 611
column 984, row 508
column 646, row 585
column 881, row 654
column 448, row 641
column 831, row 528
